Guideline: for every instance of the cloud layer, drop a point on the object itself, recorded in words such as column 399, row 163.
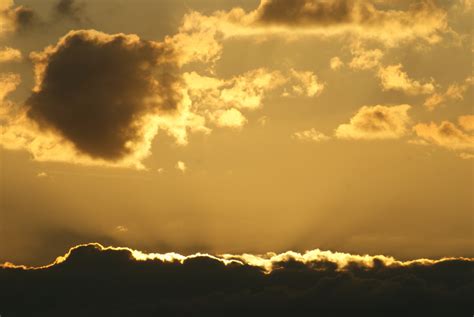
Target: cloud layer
column 121, row 281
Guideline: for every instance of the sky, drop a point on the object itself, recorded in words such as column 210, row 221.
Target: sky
column 236, row 126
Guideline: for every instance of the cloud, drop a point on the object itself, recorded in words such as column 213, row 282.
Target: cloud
column 365, row 59
column 306, row 83
column 263, row 120
column 467, row 122
column 364, row 20
column 16, row 18
column 6, row 21
column 376, row 122
column 466, row 156
column 181, row 166
column 311, row 135
column 24, row 18
column 219, row 101
column 463, row 6
column 223, row 101
column 130, row 282
column 8, row 83
column 468, row 4
column 19, row 18
column 335, row 63
column 42, row 175
column 455, row 91
column 447, row 134
column 70, row 8
column 248, row 90
column 5, row 4
column 306, row 12
column 244, row 92
column 198, row 39
column 121, row 229
column 98, row 97
column 8, row 54
column 392, row 77
column 231, row 118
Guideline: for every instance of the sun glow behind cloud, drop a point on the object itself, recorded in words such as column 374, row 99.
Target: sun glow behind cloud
column 267, row 262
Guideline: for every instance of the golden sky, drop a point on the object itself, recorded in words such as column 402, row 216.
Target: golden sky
column 236, row 126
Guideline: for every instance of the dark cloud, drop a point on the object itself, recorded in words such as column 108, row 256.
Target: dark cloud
column 24, row 17
column 18, row 19
column 369, row 19
column 96, row 90
column 307, row 11
column 71, row 9
column 109, row 282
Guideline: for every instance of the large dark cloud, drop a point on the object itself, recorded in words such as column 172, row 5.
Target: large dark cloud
column 96, row 90
column 106, row 282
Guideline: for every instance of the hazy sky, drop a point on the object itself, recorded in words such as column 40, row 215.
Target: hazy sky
column 236, row 126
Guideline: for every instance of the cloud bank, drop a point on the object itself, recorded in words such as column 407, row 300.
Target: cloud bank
column 123, row 281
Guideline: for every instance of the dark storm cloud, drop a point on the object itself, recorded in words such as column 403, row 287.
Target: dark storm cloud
column 93, row 281
column 96, row 90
